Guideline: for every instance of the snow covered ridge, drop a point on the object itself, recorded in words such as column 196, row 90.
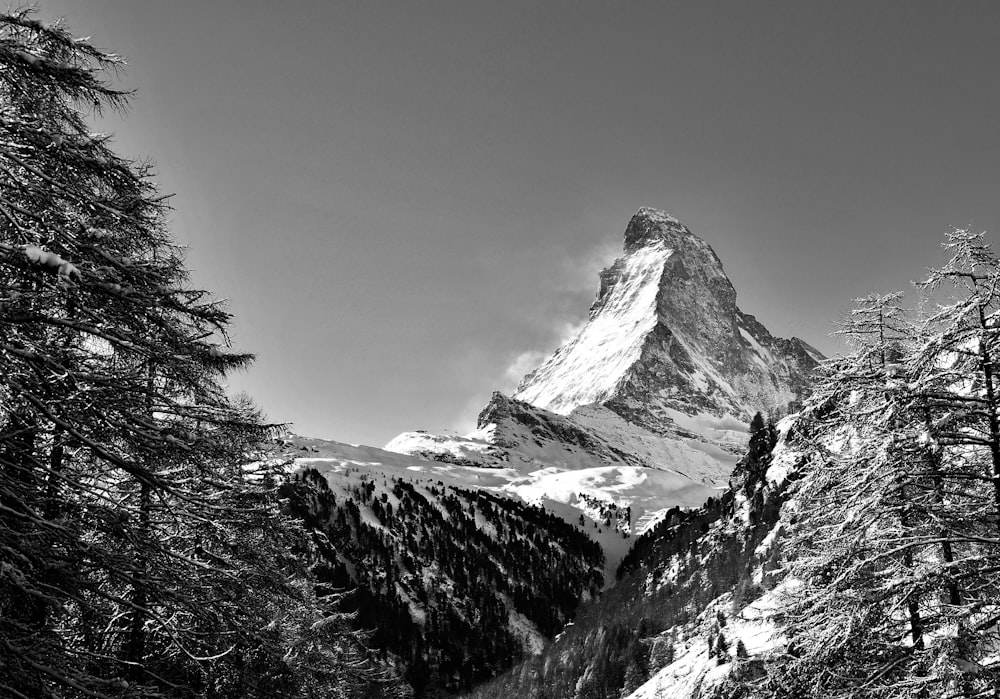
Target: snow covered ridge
column 590, row 367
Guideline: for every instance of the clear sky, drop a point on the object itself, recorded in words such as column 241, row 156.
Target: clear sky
column 404, row 200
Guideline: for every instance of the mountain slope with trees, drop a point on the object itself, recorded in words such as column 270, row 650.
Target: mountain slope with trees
column 457, row 583
column 676, row 570
column 855, row 556
column 696, row 366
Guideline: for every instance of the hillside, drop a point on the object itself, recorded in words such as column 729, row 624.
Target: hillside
column 689, row 605
column 457, row 583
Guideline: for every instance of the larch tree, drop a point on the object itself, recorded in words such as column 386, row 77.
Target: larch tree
column 894, row 553
column 863, row 575
column 958, row 395
column 856, row 616
column 143, row 550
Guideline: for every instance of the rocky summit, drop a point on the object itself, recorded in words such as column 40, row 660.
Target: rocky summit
column 667, row 347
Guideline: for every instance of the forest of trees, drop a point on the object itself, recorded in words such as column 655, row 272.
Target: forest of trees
column 688, row 559
column 438, row 570
column 140, row 555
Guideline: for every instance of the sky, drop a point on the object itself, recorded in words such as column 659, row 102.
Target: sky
column 407, row 204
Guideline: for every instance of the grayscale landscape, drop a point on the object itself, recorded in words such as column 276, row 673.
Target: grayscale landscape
column 460, row 349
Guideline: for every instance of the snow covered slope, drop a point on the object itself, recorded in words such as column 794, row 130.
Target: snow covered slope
column 569, row 488
column 698, row 669
column 589, row 368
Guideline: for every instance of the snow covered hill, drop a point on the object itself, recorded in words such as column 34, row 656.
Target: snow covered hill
column 574, row 493
column 458, row 583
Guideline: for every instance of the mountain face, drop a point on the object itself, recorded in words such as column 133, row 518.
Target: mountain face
column 664, row 377
column 666, row 342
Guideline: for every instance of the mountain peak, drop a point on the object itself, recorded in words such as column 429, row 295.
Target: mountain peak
column 649, row 226
column 666, row 339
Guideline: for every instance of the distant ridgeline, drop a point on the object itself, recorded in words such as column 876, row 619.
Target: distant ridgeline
column 455, row 583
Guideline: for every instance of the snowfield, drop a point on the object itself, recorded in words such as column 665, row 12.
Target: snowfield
column 648, row 492
column 589, row 368
column 694, row 673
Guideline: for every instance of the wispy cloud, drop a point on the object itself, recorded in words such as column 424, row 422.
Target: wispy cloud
column 578, row 272
column 575, row 281
column 531, row 359
column 561, row 314
column 523, row 363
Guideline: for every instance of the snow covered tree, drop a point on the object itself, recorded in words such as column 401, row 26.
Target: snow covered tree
column 959, row 360
column 856, row 621
column 895, row 550
column 957, row 395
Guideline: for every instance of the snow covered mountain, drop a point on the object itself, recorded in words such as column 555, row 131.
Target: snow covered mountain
column 665, row 375
column 695, row 600
column 667, row 347
column 634, row 425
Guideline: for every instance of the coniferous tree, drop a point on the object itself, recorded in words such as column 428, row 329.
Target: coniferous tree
column 857, row 617
column 958, row 360
column 958, row 397
column 895, row 547
column 140, row 553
